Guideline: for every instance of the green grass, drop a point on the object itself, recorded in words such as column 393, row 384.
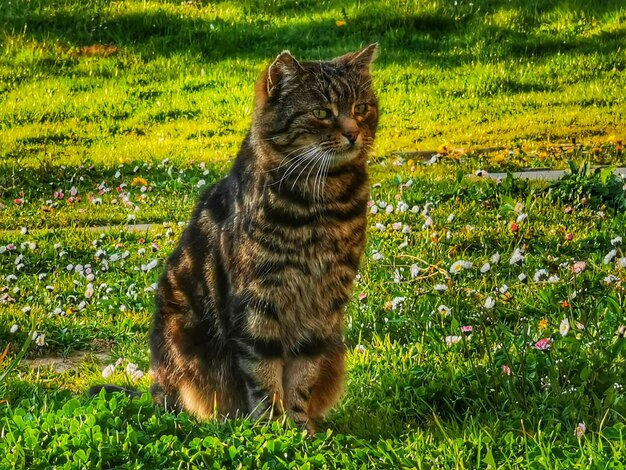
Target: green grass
column 177, row 79
column 106, row 97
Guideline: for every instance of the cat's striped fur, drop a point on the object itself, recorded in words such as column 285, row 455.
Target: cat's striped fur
column 250, row 308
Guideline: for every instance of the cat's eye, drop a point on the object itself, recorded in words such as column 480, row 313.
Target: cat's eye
column 321, row 113
column 360, row 108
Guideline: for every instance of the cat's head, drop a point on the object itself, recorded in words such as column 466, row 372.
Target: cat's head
column 319, row 109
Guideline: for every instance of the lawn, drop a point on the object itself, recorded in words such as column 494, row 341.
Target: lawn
column 487, row 326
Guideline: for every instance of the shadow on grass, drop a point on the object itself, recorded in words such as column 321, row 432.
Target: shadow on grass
column 446, row 35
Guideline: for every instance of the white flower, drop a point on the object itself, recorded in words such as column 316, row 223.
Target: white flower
column 415, row 209
column 504, row 289
column 396, row 302
column 200, row 183
column 389, row 209
column 14, row 328
column 428, row 222
column 89, row 291
column 136, row 375
column 621, row 262
column 450, row 218
column 26, row 310
column 11, row 278
column 495, row 258
column 578, row 267
column 108, row 371
column 564, row 327
column 374, row 209
column 453, row 339
column 406, row 229
column 519, row 207
column 616, row 241
column 521, row 218
column 540, row 275
column 485, row 268
column 381, row 227
column 554, row 278
column 522, row 277
column 396, row 225
column 415, row 270
column 459, row 266
column 441, row 287
column 40, row 340
column 443, row 310
column 360, row 349
column 403, row 207
column 610, row 256
column 489, row 303
column 517, row 257
column 376, row 256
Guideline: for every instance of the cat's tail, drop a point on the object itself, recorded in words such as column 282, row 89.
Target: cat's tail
column 129, row 392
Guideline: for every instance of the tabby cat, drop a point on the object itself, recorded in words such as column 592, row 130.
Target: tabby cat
column 249, row 310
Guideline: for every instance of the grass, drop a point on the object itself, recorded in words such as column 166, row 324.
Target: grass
column 121, row 112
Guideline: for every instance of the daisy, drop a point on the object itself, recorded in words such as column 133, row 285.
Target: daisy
column 485, row 268
column 459, row 266
column 108, row 371
column 443, row 310
column 543, row 344
column 40, row 340
column 452, row 339
column 495, row 258
column 489, row 303
column 610, row 256
column 415, row 270
column 564, row 327
column 517, row 257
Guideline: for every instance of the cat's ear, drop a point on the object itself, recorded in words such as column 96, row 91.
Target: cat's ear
column 282, row 70
column 361, row 60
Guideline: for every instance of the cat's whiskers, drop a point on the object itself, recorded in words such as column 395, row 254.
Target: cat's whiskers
column 297, row 161
column 311, row 161
column 286, row 160
column 321, row 175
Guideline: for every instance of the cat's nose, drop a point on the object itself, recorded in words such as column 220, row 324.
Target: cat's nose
column 351, row 135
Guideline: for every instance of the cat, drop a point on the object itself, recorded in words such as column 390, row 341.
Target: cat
column 249, row 311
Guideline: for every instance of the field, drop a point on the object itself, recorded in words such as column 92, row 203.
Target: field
column 487, row 326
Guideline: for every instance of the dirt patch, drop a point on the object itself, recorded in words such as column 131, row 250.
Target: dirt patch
column 72, row 362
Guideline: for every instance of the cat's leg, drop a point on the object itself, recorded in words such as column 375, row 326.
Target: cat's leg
column 264, row 390
column 314, row 384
